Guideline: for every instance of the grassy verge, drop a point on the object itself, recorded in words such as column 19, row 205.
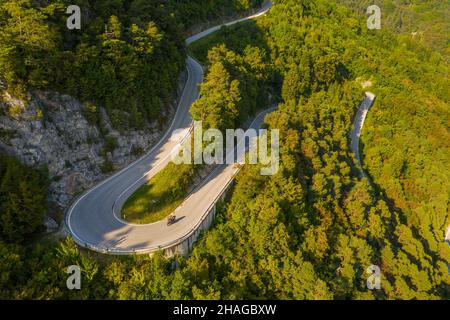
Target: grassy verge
column 160, row 196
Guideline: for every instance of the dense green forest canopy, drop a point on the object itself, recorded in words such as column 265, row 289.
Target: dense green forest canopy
column 423, row 20
column 127, row 56
column 312, row 230
column 412, row 78
column 235, row 87
column 406, row 136
column 23, row 200
column 191, row 12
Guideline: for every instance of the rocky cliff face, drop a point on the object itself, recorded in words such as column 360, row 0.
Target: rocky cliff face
column 51, row 130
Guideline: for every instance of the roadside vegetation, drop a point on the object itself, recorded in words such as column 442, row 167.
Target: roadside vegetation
column 237, row 83
column 23, row 200
column 247, row 29
column 160, row 196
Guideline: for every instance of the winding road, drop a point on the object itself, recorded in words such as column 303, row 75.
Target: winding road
column 94, row 218
column 358, row 124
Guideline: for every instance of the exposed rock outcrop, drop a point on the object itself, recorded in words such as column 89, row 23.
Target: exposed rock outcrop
column 51, row 130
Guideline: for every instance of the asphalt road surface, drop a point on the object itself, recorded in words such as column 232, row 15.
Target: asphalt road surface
column 358, row 124
column 94, row 218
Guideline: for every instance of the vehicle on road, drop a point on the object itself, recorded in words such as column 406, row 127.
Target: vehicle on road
column 171, row 220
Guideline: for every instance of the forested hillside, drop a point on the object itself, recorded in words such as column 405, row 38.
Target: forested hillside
column 312, row 230
column 23, row 200
column 312, row 66
column 425, row 21
column 191, row 12
column 127, row 56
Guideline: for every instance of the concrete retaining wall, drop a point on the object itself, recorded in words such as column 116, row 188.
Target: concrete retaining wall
column 185, row 246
